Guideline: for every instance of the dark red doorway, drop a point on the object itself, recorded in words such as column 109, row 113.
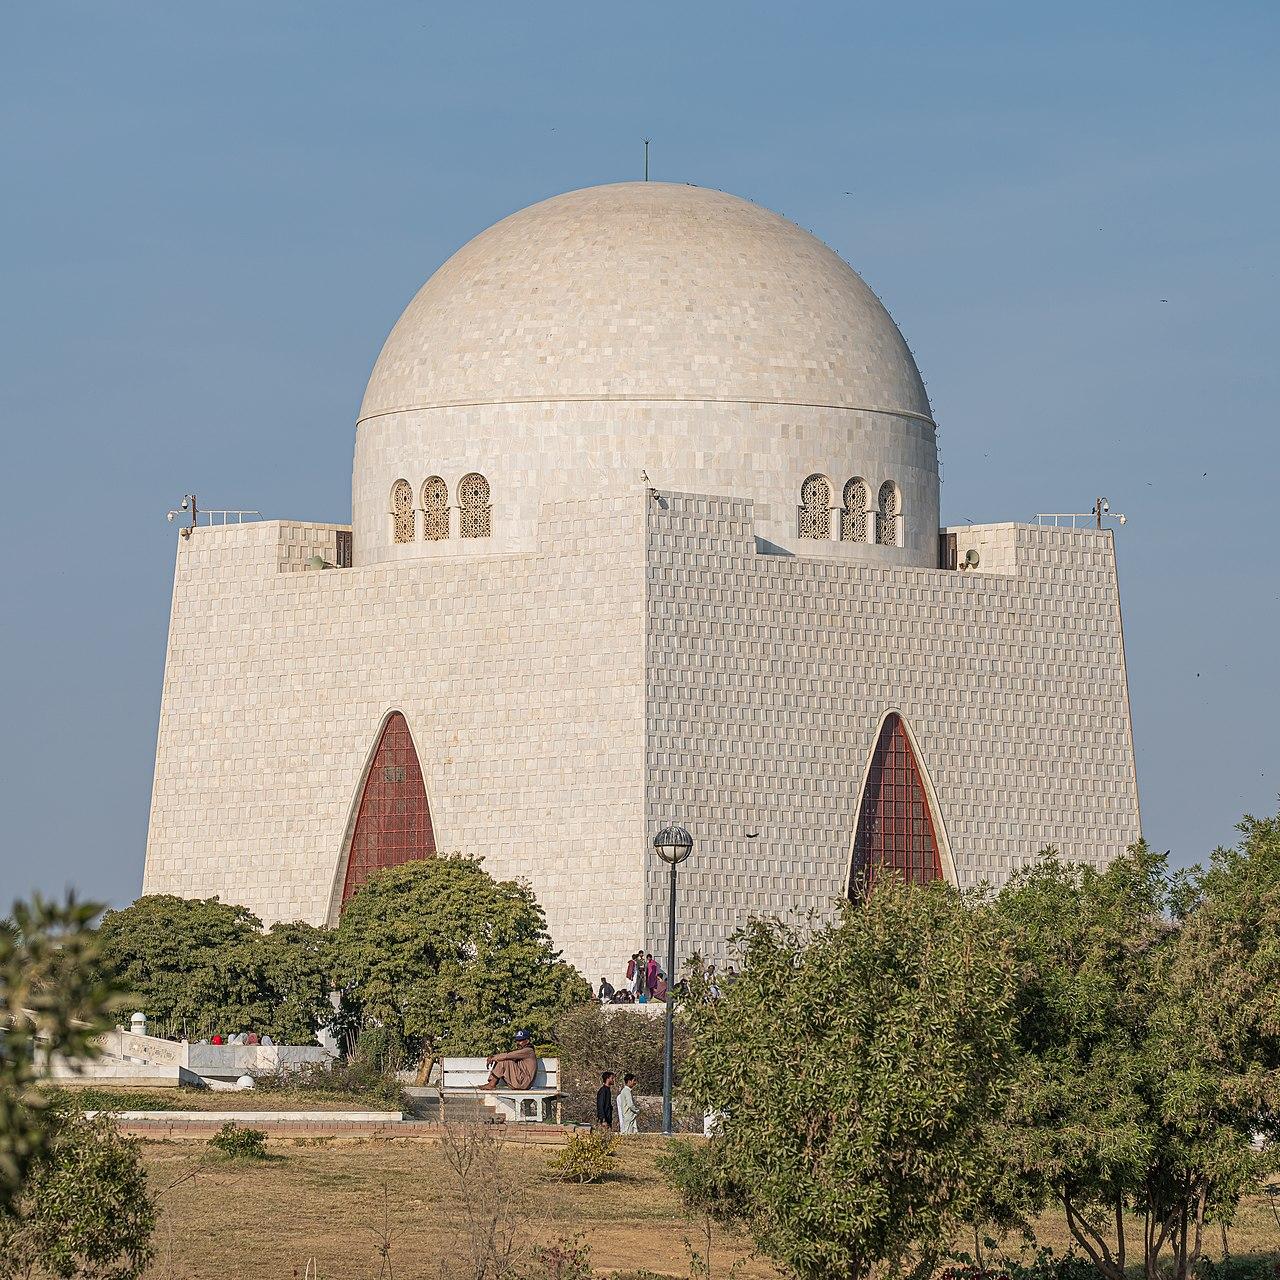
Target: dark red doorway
column 393, row 822
column 895, row 825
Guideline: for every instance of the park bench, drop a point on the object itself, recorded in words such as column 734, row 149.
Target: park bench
column 466, row 1075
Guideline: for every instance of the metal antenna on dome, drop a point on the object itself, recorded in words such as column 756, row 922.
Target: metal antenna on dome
column 646, row 159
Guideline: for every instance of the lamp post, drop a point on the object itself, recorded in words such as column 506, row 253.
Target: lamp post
column 673, row 845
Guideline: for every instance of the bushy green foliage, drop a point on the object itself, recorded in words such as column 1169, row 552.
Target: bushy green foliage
column 1250, row 1267
column 95, row 1098
column 444, row 956
column 197, row 966
column 53, row 1002
column 240, row 1142
column 1044, row 1265
column 855, row 1071
column 586, row 1157
column 592, row 1038
column 356, row 1078
column 86, row 1210
column 1149, row 1047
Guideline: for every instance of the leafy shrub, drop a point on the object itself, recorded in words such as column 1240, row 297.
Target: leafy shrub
column 568, row 1259
column 85, row 1209
column 593, row 1038
column 586, row 1157
column 93, row 1098
column 240, row 1142
column 1241, row 1267
column 1045, row 1265
column 355, row 1079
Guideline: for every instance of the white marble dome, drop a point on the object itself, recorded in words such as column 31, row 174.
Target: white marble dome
column 651, row 291
column 643, row 328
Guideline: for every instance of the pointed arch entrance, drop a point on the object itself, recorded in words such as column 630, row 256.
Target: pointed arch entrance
column 393, row 819
column 896, row 829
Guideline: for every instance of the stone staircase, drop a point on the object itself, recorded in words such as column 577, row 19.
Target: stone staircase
column 453, row 1107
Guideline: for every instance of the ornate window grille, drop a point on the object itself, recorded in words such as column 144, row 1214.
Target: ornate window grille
column 435, row 509
column 895, row 825
column 853, row 519
column 403, row 517
column 473, row 504
column 890, row 510
column 393, row 821
column 815, row 508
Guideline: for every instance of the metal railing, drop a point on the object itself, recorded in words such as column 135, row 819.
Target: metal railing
column 226, row 515
column 1060, row 518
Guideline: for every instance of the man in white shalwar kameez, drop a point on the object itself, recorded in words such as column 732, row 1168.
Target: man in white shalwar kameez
column 627, row 1109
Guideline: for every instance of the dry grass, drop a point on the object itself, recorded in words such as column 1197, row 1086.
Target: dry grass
column 324, row 1201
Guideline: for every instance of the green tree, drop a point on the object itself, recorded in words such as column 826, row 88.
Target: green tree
column 52, row 1003
column 199, row 965
column 1147, row 1047
column 1216, row 1031
column 86, row 1210
column 855, row 1070
column 297, row 970
column 444, row 956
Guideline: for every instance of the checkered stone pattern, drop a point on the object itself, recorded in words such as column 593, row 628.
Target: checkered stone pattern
column 767, row 678
column 520, row 676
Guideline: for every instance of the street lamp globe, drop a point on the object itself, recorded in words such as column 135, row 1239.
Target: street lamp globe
column 673, row 844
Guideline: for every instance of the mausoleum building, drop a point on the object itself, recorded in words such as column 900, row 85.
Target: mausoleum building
column 644, row 529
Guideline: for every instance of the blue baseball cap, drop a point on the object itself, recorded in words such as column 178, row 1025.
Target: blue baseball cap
column 523, row 1035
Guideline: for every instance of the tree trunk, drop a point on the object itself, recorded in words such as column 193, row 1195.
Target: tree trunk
column 1120, row 1232
column 1100, row 1255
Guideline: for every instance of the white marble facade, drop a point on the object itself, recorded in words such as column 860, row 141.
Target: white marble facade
column 645, row 375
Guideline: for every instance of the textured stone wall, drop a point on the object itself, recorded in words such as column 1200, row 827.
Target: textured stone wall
column 521, row 678
column 542, row 452
column 643, row 662
column 768, row 677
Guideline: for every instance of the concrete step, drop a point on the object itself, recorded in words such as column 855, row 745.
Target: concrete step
column 458, row 1108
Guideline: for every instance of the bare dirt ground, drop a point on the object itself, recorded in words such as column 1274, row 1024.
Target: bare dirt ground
column 331, row 1204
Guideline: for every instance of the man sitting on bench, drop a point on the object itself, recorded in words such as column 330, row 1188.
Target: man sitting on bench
column 514, row 1070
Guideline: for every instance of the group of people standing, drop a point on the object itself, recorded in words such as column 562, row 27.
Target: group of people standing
column 644, row 981
column 624, row 1106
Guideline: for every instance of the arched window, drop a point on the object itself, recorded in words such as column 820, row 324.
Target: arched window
column 473, row 504
column 889, row 530
column 393, row 820
column 404, row 524
column 435, row 509
column 895, row 824
column 853, row 519
column 815, row 508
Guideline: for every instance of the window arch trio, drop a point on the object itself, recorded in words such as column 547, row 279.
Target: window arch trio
column 855, row 520
column 472, row 499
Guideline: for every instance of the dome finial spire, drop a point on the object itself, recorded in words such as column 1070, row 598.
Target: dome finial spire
column 646, row 159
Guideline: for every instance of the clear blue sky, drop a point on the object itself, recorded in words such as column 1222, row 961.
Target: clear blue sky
column 212, row 214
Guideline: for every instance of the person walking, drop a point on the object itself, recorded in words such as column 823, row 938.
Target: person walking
column 651, row 974
column 604, row 1100
column 628, row 1112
